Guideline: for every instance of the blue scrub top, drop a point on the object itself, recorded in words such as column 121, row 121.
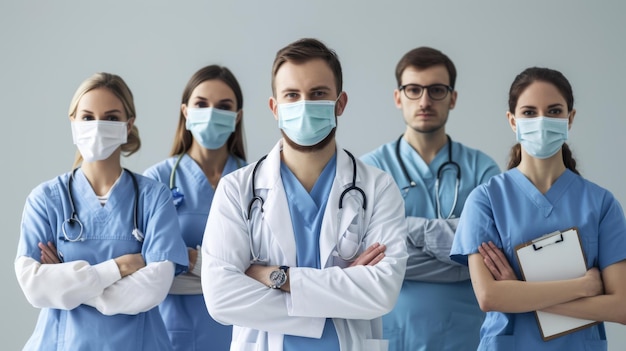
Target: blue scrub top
column 509, row 210
column 453, row 316
column 107, row 234
column 186, row 317
column 307, row 213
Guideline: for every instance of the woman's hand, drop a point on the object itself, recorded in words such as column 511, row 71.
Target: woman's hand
column 130, row 263
column 193, row 258
column 496, row 262
column 593, row 282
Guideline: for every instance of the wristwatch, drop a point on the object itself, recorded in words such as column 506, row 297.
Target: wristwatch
column 278, row 278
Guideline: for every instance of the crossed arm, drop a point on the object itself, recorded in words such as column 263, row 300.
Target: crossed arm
column 370, row 257
column 597, row 295
column 121, row 285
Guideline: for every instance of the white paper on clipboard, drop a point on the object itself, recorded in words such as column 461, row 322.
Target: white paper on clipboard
column 555, row 256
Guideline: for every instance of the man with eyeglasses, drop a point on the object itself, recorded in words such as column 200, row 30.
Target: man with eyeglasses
column 437, row 308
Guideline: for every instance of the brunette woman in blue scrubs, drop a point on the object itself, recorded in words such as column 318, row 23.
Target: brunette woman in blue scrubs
column 208, row 145
column 540, row 193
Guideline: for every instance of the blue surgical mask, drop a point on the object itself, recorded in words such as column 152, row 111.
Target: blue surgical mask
column 210, row 127
column 542, row 137
column 307, row 122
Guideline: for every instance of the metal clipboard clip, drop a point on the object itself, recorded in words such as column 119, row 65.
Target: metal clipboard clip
column 553, row 237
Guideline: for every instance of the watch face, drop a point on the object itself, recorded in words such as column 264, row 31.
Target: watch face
column 278, row 278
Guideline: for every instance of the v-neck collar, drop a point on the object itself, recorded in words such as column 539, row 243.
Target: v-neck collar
column 544, row 202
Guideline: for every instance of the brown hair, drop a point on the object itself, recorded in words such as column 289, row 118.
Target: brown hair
column 183, row 137
column 422, row 58
column 304, row 50
column 116, row 85
column 520, row 83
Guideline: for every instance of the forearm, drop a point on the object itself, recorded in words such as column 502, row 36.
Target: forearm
column 138, row 292
column 609, row 307
column 598, row 308
column 433, row 236
column 514, row 296
column 423, row 267
column 186, row 284
column 63, row 285
column 375, row 289
column 234, row 298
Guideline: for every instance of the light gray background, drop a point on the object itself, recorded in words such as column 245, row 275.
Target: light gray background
column 49, row 47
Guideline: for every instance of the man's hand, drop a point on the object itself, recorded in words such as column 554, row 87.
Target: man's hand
column 371, row 256
column 496, row 262
column 48, row 253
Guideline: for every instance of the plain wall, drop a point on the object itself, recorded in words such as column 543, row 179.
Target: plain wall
column 49, row 47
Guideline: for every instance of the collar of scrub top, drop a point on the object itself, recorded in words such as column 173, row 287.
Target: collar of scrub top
column 353, row 187
column 73, row 219
column 440, row 171
column 177, row 194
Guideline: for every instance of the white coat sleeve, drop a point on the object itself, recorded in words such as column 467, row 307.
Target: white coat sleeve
column 137, row 292
column 429, row 243
column 360, row 292
column 231, row 296
column 63, row 285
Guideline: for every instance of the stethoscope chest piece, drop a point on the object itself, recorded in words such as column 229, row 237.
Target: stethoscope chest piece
column 71, row 222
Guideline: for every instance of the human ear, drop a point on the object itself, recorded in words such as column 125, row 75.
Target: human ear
column 183, row 109
column 511, row 118
column 274, row 107
column 342, row 101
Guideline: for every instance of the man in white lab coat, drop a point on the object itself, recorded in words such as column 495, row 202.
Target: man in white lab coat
column 305, row 249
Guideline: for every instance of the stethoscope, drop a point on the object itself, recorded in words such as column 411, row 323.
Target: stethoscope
column 256, row 257
column 440, row 171
column 177, row 194
column 74, row 216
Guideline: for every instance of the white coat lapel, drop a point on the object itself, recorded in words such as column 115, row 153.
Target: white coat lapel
column 276, row 208
column 332, row 226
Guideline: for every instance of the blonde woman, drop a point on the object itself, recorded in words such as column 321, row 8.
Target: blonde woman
column 100, row 245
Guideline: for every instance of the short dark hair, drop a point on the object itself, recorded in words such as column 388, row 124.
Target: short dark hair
column 425, row 57
column 304, row 50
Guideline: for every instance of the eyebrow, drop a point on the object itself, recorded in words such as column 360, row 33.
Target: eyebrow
column 106, row 112
column 223, row 100
column 549, row 106
column 321, row 87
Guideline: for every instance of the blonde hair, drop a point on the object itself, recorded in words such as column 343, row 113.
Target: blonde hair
column 116, row 85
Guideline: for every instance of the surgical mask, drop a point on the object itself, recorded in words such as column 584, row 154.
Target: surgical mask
column 210, row 126
column 307, row 122
column 96, row 140
column 542, row 137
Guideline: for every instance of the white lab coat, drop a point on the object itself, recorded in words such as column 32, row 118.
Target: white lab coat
column 354, row 297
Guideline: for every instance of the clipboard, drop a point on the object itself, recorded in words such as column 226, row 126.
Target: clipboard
column 555, row 256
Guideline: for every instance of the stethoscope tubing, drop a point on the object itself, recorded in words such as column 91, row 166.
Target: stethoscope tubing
column 256, row 197
column 440, row 171
column 74, row 215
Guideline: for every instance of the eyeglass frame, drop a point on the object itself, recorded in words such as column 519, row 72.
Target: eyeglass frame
column 449, row 89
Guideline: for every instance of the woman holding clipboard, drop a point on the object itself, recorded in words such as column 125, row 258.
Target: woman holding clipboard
column 541, row 193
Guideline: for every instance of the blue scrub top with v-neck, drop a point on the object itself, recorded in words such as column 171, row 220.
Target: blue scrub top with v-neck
column 510, row 210
column 307, row 213
column 188, row 323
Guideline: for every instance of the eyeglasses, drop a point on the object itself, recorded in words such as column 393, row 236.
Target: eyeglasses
column 435, row 91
